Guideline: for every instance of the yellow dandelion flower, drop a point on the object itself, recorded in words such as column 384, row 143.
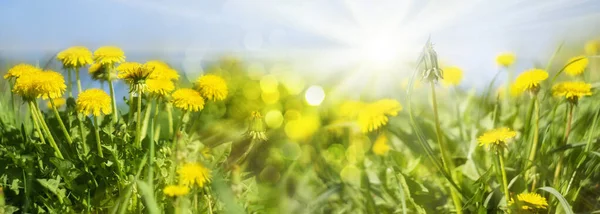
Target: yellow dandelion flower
column 452, row 76
column 20, row 69
column 162, row 70
column 572, row 90
column 26, row 85
column 135, row 74
column 193, row 173
column 496, row 137
column 75, row 57
column 212, row 87
column 188, row 99
column 532, row 201
column 109, row 55
column 592, row 47
column 506, row 59
column 50, row 84
column 576, row 65
column 375, row 115
column 94, row 101
column 530, row 80
column 176, row 190
column 160, row 87
column 381, row 147
column 99, row 72
column 58, row 102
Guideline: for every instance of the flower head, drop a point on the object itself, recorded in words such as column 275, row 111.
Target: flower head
column 20, row 69
column 572, row 90
column 506, row 59
column 109, row 55
column 75, row 57
column 381, row 147
column 176, row 190
column 94, row 101
column 188, row 99
column 497, row 137
column 256, row 128
column 375, row 115
column 531, row 201
column 135, row 74
column 452, row 76
column 50, row 84
column 58, row 102
column 212, row 87
column 162, row 70
column 592, row 47
column 160, row 87
column 576, row 65
column 99, row 72
column 530, row 80
column 193, row 173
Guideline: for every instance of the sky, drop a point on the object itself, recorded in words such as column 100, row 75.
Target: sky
column 322, row 36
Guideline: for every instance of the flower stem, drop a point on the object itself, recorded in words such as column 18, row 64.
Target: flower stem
column 82, row 133
column 70, row 85
column 500, row 156
column 40, row 119
column 97, row 133
column 561, row 155
column 36, row 125
column 175, row 146
column 156, row 125
column 130, row 114
column 78, row 81
column 444, row 150
column 535, row 140
column 169, row 108
column 138, row 124
column 113, row 101
column 60, row 122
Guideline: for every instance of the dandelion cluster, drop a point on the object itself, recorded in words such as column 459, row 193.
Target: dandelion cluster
column 20, row 69
column 36, row 83
column 135, row 75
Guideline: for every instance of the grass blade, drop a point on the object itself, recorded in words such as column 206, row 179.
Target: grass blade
column 561, row 199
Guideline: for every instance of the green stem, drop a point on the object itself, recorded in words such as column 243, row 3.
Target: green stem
column 113, row 101
column 138, row 125
column 97, row 133
column 500, row 156
column 449, row 165
column 209, row 204
column 36, row 125
column 150, row 177
column 70, row 85
column 60, row 122
column 156, row 125
column 535, row 141
column 561, row 155
column 82, row 133
column 40, row 119
column 130, row 114
column 78, row 81
column 169, row 108
column 175, row 146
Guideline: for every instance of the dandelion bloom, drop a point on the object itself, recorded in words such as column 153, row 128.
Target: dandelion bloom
column 212, row 87
column 496, row 137
column 50, row 84
column 576, row 65
column 381, row 147
column 94, row 101
column 506, row 59
column 108, row 55
column 75, row 57
column 98, row 72
column 572, row 90
column 530, row 80
column 592, row 47
column 176, row 190
column 20, row 69
column 375, row 115
column 26, row 85
column 188, row 99
column 160, row 87
column 58, row 102
column 162, row 70
column 532, row 201
column 135, row 74
column 193, row 173
column 452, row 76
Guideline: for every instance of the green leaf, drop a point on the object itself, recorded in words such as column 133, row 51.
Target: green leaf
column 147, row 196
column 563, row 201
column 15, row 186
column 52, row 185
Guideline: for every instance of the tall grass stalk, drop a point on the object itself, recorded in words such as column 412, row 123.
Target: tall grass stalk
column 60, row 122
column 446, row 160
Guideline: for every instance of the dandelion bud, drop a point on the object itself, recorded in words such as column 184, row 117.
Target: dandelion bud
column 256, row 128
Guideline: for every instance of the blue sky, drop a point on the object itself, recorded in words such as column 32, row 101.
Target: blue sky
column 328, row 35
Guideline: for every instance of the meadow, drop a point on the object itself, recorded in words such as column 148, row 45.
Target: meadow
column 237, row 141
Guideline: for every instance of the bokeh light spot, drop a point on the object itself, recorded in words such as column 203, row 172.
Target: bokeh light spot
column 274, row 119
column 314, row 95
